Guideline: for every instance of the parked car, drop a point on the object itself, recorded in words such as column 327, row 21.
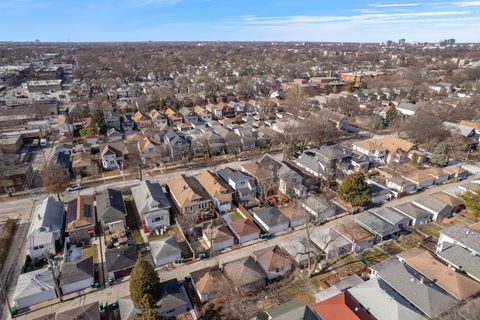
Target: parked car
column 74, row 188
column 242, row 158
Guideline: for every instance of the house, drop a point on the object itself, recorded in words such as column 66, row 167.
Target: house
column 112, row 120
column 119, row 262
column 243, row 185
column 301, row 250
column 332, row 243
column 216, row 110
column 152, row 205
column 203, row 114
column 233, row 143
column 424, row 294
column 325, row 161
column 359, row 238
column 386, row 149
column 393, row 217
column 437, row 208
column 215, row 143
column 416, row 214
column 177, row 145
column 127, row 309
column 271, row 219
column 218, row 238
column 16, row 178
column 248, row 138
column 159, row 120
column 81, row 162
column 89, row 311
column 244, row 230
column 341, row 306
column 290, row 310
column 465, row 131
column 380, row 228
column 112, row 155
column 80, row 219
column 218, row 191
column 173, row 299
column 245, row 273
column 165, row 251
column 383, row 302
column 114, row 135
column 46, row 229
column 264, row 177
column 77, row 275
column 141, row 120
column 188, row 195
column 111, row 211
column 459, row 246
column 455, row 203
column 273, row 261
column 207, row 283
column 319, row 207
column 407, row 109
column 456, row 284
column 188, row 115
column 126, row 123
column 290, row 182
column 34, row 287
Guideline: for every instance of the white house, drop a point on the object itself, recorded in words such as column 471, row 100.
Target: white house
column 165, row 251
column 152, row 205
column 45, row 228
column 34, row 287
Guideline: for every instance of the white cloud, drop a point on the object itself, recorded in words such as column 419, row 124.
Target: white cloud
column 393, row 5
column 467, row 4
column 156, row 3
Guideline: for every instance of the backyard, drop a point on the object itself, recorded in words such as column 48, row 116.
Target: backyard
column 91, row 251
column 372, row 256
column 132, row 222
column 343, row 267
column 430, row 229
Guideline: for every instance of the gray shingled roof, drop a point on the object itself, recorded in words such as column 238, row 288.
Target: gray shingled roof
column 271, row 216
column 119, row 259
column 110, row 206
column 464, row 235
column 172, row 296
column 413, row 211
column 147, row 194
column 431, row 203
column 461, row 258
column 76, row 271
column 390, row 214
column 375, row 225
column 383, row 302
column 164, row 247
column 421, row 292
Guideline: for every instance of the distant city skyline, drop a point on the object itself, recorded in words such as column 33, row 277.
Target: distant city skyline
column 235, row 20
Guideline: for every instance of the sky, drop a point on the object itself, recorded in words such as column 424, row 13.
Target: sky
column 239, row 20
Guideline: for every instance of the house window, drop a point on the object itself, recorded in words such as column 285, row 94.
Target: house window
column 18, row 180
column 156, row 219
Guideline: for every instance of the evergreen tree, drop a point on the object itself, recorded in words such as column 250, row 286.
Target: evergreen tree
column 354, row 190
column 144, row 284
column 148, row 311
column 439, row 155
column 99, row 122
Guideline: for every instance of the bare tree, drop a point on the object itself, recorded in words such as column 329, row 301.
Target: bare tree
column 54, row 178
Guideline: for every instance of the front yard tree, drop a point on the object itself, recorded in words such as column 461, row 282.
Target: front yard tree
column 54, row 178
column 354, row 190
column 144, row 284
column 99, row 122
column 471, row 200
column 439, row 155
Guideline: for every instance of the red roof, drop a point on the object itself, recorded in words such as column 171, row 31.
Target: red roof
column 243, row 227
column 341, row 306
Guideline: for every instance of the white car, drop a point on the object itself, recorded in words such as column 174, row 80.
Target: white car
column 242, row 158
column 74, row 188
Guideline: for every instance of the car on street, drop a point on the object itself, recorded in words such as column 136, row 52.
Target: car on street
column 74, row 188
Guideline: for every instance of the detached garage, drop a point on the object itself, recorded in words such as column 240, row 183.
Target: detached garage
column 76, row 275
column 120, row 262
column 34, row 287
column 165, row 251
